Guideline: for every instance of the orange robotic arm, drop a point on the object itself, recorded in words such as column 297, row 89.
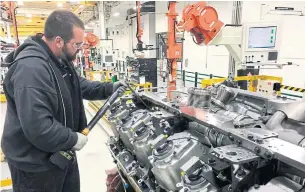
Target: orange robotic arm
column 202, row 21
column 90, row 40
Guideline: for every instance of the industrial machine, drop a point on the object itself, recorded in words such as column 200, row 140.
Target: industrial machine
column 251, row 44
column 140, row 47
column 213, row 139
column 90, row 41
column 142, row 70
column 219, row 139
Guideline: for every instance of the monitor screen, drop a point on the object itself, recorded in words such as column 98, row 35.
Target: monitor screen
column 262, row 37
column 108, row 58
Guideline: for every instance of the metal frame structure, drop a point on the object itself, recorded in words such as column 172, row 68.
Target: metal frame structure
column 209, row 82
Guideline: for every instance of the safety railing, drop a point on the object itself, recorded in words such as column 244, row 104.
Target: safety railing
column 197, row 78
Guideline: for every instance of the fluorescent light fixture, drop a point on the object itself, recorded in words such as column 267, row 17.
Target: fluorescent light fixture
column 59, row 4
column 19, row 3
column 28, row 15
column 116, row 14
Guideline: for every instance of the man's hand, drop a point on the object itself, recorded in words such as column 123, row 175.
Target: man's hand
column 81, row 142
column 121, row 86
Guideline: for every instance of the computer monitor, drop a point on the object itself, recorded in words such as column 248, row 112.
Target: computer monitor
column 108, row 60
column 262, row 37
column 260, row 42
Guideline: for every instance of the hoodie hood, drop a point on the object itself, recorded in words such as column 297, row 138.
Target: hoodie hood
column 30, row 48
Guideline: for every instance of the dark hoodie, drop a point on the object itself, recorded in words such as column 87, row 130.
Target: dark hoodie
column 44, row 110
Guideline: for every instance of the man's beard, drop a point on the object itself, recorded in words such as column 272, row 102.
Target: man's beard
column 67, row 56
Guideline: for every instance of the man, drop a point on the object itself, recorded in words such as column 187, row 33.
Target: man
column 45, row 112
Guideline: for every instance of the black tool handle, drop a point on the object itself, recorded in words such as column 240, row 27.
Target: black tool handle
column 101, row 112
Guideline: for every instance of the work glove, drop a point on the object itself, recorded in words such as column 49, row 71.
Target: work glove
column 81, row 142
column 121, row 86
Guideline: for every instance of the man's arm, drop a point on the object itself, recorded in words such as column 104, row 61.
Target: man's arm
column 95, row 90
column 36, row 101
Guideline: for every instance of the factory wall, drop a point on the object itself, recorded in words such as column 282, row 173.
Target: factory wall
column 126, row 40
column 121, row 35
column 292, row 38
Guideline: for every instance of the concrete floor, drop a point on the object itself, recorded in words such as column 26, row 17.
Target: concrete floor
column 93, row 159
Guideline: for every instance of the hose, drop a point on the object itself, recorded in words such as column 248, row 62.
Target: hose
column 289, row 135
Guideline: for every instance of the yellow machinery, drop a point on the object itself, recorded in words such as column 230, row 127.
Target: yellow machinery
column 2, row 98
column 208, row 82
column 101, row 75
column 147, row 87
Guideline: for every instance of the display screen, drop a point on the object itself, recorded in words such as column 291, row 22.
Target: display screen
column 262, row 37
column 108, row 58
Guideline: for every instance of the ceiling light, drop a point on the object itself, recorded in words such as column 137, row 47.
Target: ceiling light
column 29, row 15
column 135, row 7
column 116, row 14
column 19, row 3
column 59, row 4
column 81, row 6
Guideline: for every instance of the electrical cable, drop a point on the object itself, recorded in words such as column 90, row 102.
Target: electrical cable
column 138, row 97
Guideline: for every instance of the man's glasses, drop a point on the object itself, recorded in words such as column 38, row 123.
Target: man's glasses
column 78, row 45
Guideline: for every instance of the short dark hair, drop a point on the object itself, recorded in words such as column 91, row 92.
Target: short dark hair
column 61, row 23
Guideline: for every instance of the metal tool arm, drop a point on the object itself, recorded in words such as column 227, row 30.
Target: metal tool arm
column 101, row 112
column 202, row 21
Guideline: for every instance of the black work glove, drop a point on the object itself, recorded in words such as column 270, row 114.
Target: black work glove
column 119, row 86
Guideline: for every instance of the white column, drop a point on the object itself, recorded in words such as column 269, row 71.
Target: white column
column 102, row 27
column 8, row 30
column 152, row 34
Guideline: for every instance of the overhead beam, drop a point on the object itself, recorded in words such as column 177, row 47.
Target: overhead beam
column 28, row 29
column 22, row 34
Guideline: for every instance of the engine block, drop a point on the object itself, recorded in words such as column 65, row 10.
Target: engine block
column 219, row 139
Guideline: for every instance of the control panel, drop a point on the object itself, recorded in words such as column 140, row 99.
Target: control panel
column 267, row 87
column 260, row 42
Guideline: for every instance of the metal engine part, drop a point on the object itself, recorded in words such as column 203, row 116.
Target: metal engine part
column 193, row 177
column 125, row 127
column 127, row 160
column 142, row 138
column 224, row 95
column 199, row 98
column 278, row 184
column 243, row 142
column 117, row 117
column 170, row 154
column 208, row 135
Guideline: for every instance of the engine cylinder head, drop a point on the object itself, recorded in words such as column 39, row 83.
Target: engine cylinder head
column 224, row 95
column 199, row 98
column 171, row 156
column 142, row 147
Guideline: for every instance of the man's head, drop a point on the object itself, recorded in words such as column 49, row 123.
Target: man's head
column 64, row 33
